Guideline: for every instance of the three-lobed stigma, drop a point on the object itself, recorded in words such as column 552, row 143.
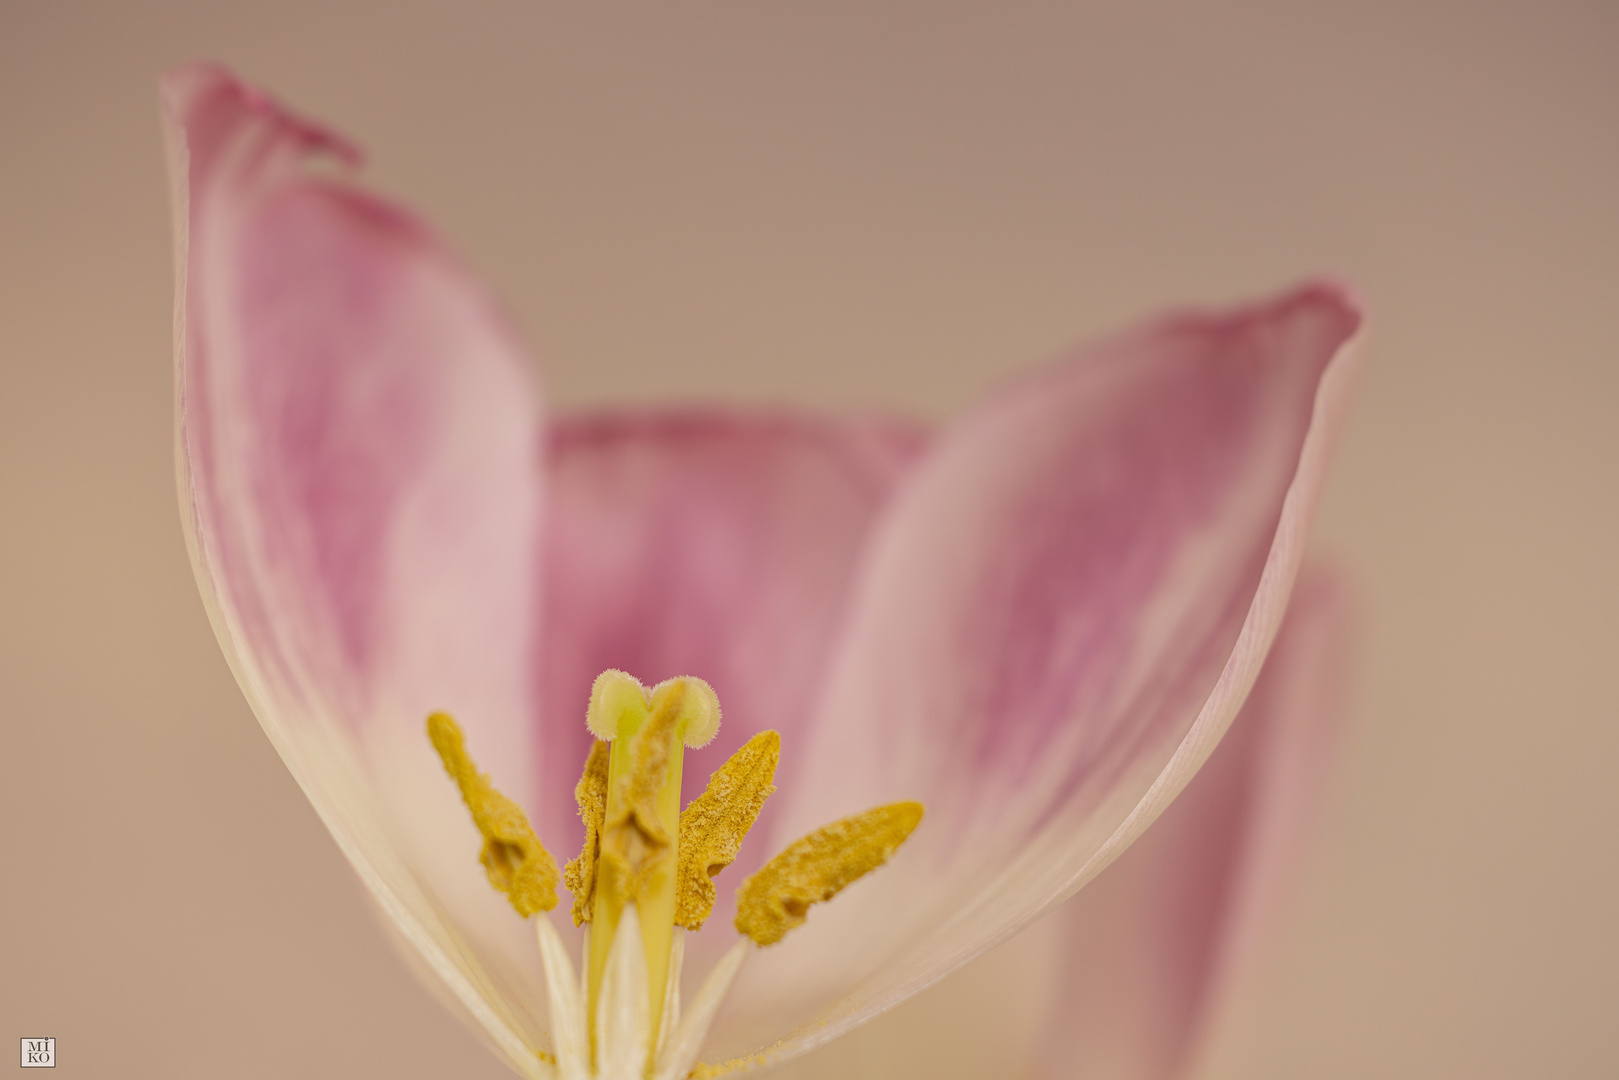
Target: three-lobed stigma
column 647, row 868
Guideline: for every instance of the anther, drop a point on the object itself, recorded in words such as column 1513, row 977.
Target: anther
column 817, row 867
column 713, row 824
column 513, row 857
column 591, row 795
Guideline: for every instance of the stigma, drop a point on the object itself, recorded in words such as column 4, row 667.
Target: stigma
column 645, row 875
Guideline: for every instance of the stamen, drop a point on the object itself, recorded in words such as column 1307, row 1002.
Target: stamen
column 567, row 1011
column 646, row 867
column 675, row 1060
column 671, row 992
column 623, row 1023
column 591, row 795
column 713, row 824
column 513, row 857
column 817, row 867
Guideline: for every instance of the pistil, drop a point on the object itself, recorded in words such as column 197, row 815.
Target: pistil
column 639, row 845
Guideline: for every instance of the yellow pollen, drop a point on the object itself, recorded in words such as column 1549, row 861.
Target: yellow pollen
column 513, row 857
column 645, row 860
column 817, row 867
column 591, row 795
column 713, row 824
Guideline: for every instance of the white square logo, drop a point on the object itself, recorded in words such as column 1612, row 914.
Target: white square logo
column 39, row 1053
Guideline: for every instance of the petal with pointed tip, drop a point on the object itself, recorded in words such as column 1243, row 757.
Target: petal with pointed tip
column 357, row 444
column 1063, row 611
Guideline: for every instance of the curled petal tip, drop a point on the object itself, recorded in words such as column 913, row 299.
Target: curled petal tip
column 204, row 100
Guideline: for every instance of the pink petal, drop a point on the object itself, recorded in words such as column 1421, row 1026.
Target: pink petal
column 705, row 544
column 1155, row 943
column 1123, row 980
column 986, row 1020
column 1064, row 610
column 358, row 445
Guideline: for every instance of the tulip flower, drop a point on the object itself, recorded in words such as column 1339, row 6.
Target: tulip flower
column 989, row 655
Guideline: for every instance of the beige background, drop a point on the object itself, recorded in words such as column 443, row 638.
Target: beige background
column 853, row 204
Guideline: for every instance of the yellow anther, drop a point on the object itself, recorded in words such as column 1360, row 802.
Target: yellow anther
column 713, row 825
column 591, row 795
column 516, row 862
column 819, row 866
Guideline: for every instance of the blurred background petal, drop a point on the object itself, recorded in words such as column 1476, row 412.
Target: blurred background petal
column 882, row 206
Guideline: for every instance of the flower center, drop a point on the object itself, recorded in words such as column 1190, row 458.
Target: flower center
column 647, row 867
